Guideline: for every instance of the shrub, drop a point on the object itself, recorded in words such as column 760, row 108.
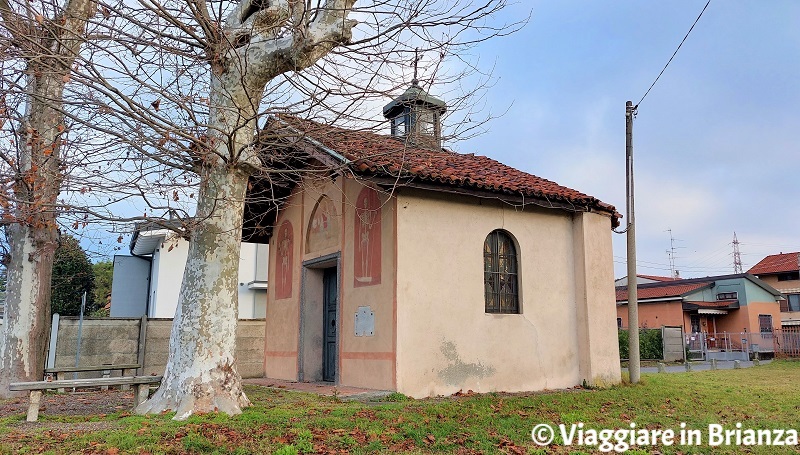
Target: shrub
column 651, row 345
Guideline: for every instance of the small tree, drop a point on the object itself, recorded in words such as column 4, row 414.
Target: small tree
column 103, row 276
column 72, row 276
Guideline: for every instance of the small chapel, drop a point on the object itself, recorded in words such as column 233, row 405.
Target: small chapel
column 396, row 264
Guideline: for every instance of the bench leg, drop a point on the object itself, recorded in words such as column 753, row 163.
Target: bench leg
column 126, row 386
column 141, row 392
column 33, row 407
column 106, row 374
column 60, row 376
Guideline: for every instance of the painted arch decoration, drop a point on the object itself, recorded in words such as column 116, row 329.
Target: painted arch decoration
column 323, row 226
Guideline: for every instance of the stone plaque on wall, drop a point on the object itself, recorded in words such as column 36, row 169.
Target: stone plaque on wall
column 365, row 322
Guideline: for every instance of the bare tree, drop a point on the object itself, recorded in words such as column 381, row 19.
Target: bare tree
column 40, row 44
column 178, row 87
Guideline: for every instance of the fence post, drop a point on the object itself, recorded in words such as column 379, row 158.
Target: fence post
column 142, row 345
column 51, row 353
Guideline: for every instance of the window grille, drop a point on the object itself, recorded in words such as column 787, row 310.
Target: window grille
column 500, row 272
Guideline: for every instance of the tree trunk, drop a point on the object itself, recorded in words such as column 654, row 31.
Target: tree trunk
column 201, row 375
column 33, row 236
column 27, row 313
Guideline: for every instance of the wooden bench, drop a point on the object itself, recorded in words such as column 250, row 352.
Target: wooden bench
column 60, row 372
column 141, row 385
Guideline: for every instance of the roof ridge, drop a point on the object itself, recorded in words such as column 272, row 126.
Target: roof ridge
column 385, row 156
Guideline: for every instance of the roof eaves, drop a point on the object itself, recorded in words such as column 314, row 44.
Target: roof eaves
column 338, row 156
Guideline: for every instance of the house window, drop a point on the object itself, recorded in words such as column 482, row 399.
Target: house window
column 793, row 302
column 500, row 273
column 619, row 323
column 789, row 276
column 727, row 296
column 765, row 323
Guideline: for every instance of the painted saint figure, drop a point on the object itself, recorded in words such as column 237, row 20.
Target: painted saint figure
column 285, row 243
column 367, row 241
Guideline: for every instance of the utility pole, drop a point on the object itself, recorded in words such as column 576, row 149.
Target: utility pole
column 634, row 362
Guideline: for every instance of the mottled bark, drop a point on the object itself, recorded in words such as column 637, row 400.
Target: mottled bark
column 33, row 237
column 49, row 48
column 201, row 374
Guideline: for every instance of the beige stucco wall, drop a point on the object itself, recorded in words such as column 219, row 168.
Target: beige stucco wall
column 294, row 329
column 368, row 361
column 447, row 342
column 594, row 274
column 282, row 315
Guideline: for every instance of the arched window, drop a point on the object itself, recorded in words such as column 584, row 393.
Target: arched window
column 500, row 270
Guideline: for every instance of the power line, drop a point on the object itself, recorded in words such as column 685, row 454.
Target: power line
column 673, row 55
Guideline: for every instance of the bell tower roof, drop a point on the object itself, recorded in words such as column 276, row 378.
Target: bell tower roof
column 414, row 95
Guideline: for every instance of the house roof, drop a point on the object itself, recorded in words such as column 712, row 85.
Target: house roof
column 148, row 235
column 776, row 263
column 659, row 290
column 657, row 278
column 378, row 155
column 680, row 287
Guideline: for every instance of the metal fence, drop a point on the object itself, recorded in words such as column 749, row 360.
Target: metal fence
column 787, row 342
column 743, row 346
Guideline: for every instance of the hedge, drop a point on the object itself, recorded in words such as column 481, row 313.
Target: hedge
column 651, row 344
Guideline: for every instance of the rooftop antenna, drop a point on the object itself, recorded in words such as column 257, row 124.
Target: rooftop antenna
column 737, row 257
column 671, row 254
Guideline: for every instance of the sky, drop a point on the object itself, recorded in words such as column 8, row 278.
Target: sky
column 715, row 141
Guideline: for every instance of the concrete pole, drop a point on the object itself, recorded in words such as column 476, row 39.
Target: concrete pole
column 634, row 363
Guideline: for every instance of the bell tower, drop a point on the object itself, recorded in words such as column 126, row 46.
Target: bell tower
column 416, row 116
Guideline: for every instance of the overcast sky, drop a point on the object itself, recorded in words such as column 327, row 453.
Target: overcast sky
column 715, row 141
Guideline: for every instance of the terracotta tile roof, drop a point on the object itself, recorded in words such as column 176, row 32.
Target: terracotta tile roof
column 776, row 263
column 658, row 290
column 381, row 155
column 657, row 278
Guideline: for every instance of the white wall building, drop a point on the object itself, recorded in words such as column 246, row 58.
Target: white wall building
column 148, row 281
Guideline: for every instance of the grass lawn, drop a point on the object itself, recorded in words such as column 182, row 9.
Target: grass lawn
column 284, row 422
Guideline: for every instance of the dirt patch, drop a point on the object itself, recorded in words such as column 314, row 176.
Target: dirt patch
column 94, row 403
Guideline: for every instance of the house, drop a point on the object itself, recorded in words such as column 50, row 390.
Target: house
column 715, row 304
column 148, row 281
column 782, row 271
column 643, row 279
column 398, row 265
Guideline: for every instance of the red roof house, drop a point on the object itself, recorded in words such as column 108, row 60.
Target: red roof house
column 782, row 271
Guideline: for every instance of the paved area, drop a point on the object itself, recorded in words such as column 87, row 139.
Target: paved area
column 321, row 388
column 701, row 366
